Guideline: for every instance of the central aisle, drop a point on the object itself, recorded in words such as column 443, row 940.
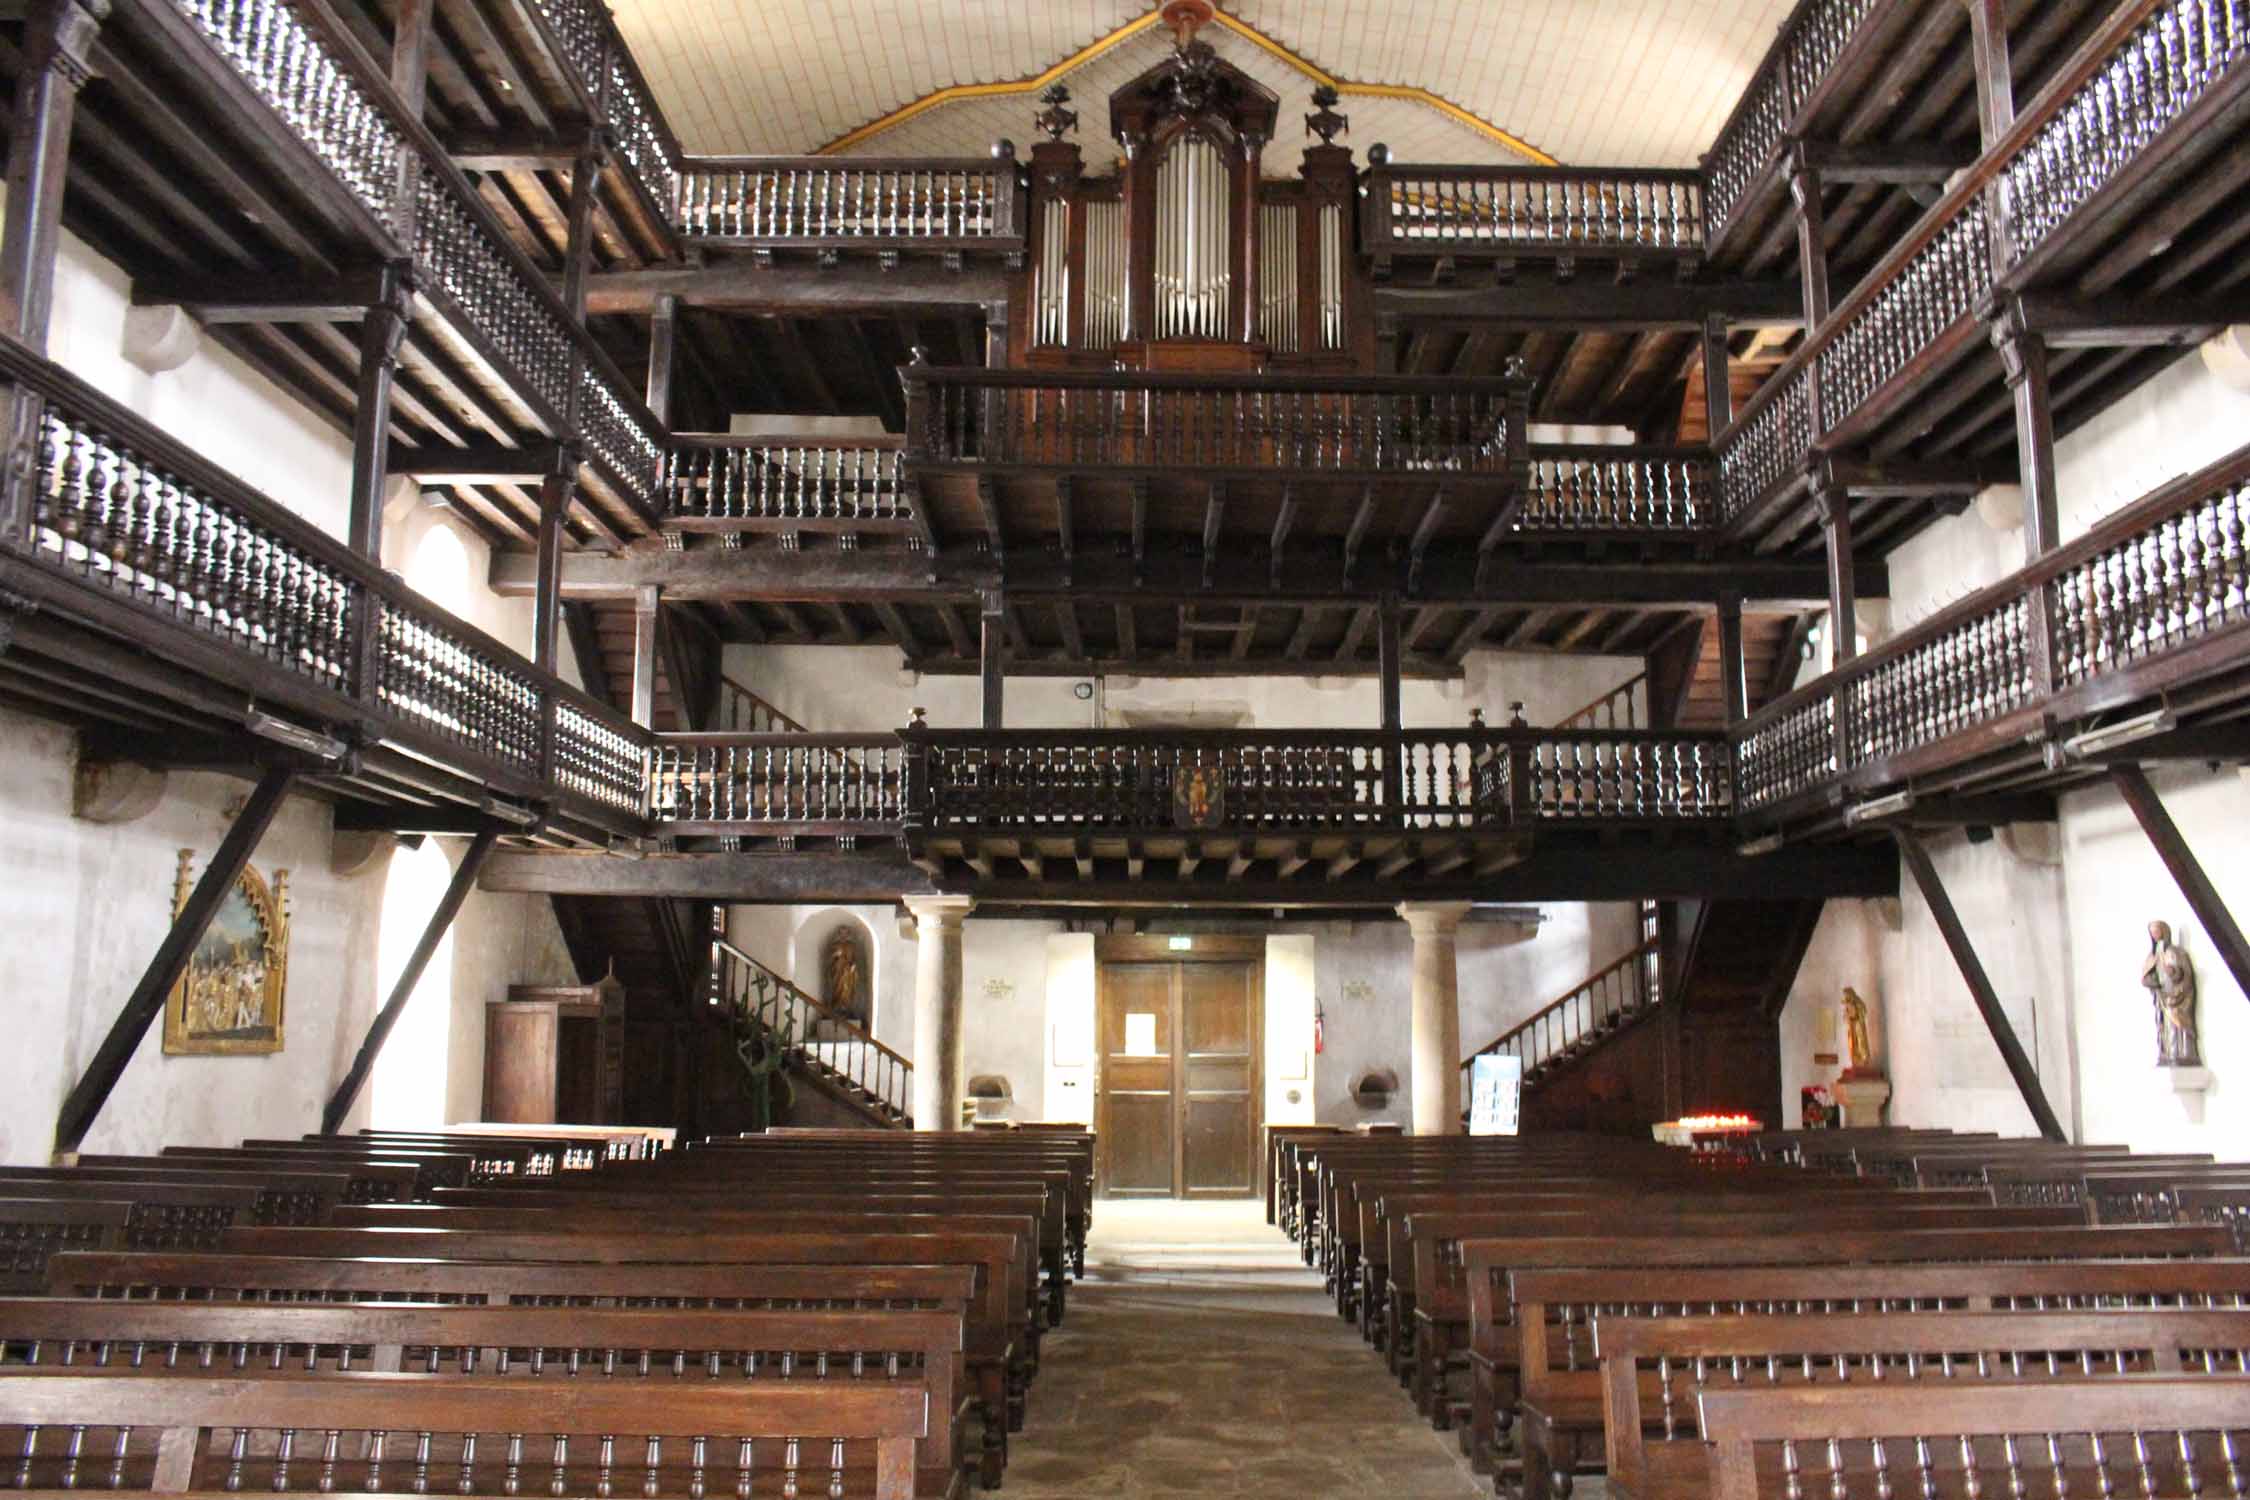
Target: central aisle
column 1199, row 1356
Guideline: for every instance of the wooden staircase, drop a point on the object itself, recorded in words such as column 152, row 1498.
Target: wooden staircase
column 837, row 1056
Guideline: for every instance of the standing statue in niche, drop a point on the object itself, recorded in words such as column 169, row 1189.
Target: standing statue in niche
column 2169, row 977
column 843, row 968
column 1859, row 1056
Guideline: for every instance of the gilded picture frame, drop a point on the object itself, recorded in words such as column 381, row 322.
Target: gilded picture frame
column 230, row 1000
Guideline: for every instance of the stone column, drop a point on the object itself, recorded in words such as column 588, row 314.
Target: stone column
column 1437, row 1015
column 938, row 1049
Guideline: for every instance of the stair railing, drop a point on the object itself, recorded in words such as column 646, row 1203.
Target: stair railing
column 1624, row 706
column 1598, row 1006
column 743, row 711
column 801, row 1026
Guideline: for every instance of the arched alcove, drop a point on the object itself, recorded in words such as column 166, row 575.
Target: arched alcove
column 811, row 959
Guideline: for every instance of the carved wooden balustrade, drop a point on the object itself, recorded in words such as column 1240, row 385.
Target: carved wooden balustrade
column 107, row 519
column 414, row 205
column 811, row 1034
column 1752, row 142
column 1919, row 309
column 717, row 482
column 1396, row 425
column 1593, row 487
column 778, row 784
column 1502, row 212
column 1624, row 706
column 745, row 712
column 852, row 203
column 1604, row 1003
column 2133, row 607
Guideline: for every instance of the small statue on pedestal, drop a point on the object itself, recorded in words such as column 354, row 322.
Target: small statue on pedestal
column 1859, row 1055
column 2168, row 975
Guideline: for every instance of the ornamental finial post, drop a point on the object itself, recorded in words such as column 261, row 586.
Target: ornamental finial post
column 1327, row 124
column 1056, row 120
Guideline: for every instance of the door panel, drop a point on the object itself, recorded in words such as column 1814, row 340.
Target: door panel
column 1138, row 1025
column 1218, row 1069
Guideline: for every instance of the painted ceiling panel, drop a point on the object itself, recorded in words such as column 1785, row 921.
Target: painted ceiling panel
column 1590, row 81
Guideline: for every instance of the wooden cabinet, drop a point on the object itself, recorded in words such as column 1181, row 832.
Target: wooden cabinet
column 555, row 1054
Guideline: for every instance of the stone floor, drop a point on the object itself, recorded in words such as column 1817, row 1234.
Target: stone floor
column 1200, row 1357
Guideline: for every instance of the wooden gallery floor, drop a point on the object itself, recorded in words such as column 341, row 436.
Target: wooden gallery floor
column 1199, row 1357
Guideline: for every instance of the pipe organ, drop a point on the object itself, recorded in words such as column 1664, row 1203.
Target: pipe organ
column 1186, row 256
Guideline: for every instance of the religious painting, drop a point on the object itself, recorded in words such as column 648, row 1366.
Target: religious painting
column 843, row 972
column 229, row 1002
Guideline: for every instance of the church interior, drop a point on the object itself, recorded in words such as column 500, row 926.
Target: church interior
column 1104, row 748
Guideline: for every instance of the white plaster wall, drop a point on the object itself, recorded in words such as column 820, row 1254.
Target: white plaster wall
column 2062, row 930
column 865, row 687
column 92, row 902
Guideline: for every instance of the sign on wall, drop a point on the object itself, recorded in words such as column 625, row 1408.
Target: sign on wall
column 1495, row 1094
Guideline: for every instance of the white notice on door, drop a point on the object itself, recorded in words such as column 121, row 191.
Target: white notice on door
column 1140, row 1033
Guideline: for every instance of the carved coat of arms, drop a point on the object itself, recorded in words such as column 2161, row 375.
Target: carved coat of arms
column 1199, row 797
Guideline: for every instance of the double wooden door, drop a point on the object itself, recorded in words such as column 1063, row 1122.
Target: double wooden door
column 1177, row 1108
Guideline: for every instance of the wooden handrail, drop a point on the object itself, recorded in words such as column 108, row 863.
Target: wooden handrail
column 983, row 166
column 1638, row 955
column 22, row 365
column 1179, row 380
column 1585, row 714
column 1972, row 184
column 884, row 443
column 2151, row 509
column 854, row 1032
column 727, row 685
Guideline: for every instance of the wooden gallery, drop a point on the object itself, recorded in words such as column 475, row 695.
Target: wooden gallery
column 878, row 748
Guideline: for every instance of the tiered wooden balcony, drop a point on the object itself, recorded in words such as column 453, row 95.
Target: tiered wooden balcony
column 2100, row 220
column 179, row 617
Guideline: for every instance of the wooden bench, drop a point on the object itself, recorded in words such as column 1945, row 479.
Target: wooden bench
column 1510, row 1358
column 478, row 1436
column 196, row 1279
column 2021, row 1440
column 1653, row 1369
column 278, row 1197
column 831, row 1348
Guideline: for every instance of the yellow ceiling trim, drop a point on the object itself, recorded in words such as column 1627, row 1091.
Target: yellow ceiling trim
column 1406, row 92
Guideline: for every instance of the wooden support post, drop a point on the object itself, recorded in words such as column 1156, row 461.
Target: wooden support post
column 58, row 45
column 1988, row 54
column 1835, row 506
column 1718, row 394
column 1812, row 239
column 379, row 1030
column 1964, row 953
column 555, row 493
column 1387, row 664
column 381, row 333
column 992, row 659
column 2023, row 359
column 995, row 336
column 663, row 354
column 142, row 1007
column 410, row 53
column 2203, row 897
column 1733, row 683
column 578, row 251
column 645, row 604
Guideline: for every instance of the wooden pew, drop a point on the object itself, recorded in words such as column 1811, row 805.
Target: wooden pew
column 949, row 1290
column 1511, row 1359
column 278, row 1197
column 2155, row 1429
column 561, row 1345
column 485, row 1436
column 1653, row 1369
column 999, row 1336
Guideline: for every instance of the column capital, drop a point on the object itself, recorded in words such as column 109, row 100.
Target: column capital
column 939, row 911
column 1434, row 918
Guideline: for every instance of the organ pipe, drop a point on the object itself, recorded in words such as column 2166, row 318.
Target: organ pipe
column 1331, row 276
column 1105, row 274
column 1277, row 277
column 1193, row 243
column 1052, row 323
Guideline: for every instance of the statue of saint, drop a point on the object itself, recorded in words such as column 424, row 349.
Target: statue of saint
column 2169, row 977
column 843, row 976
column 1858, row 1054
